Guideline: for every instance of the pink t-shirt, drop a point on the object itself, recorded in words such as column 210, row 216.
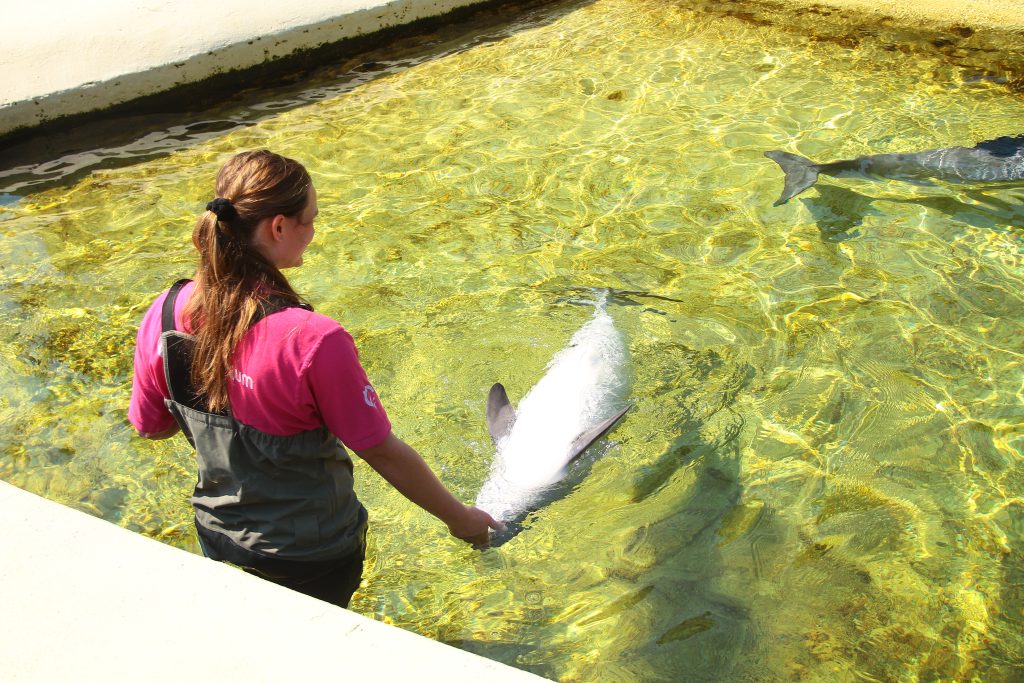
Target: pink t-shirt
column 295, row 370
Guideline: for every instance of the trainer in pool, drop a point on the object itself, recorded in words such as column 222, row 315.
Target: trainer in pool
column 272, row 395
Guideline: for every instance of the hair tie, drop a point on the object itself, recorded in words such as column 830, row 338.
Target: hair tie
column 224, row 209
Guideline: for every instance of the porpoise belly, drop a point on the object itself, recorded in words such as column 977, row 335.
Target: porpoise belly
column 580, row 388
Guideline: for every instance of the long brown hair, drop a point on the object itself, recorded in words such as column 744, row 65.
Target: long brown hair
column 233, row 278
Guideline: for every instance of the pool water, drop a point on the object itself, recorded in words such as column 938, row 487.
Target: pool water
column 821, row 477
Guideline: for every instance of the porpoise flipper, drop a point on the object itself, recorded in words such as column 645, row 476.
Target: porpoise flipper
column 800, row 172
column 584, row 440
column 500, row 413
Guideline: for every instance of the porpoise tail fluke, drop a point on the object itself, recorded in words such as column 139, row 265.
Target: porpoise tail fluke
column 800, row 172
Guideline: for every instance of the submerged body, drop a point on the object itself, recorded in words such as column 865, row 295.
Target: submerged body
column 992, row 162
column 578, row 400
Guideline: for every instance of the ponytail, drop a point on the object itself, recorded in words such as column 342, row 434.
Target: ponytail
column 233, row 279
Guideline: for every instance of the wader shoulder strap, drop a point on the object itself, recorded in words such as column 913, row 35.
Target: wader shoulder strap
column 177, row 352
column 167, row 314
column 178, row 347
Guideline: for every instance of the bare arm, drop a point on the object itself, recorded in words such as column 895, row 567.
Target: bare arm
column 166, row 434
column 405, row 469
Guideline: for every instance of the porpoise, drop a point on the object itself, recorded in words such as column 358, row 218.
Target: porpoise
column 577, row 401
column 995, row 161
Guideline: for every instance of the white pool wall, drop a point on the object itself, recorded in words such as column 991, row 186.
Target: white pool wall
column 65, row 57
column 84, row 600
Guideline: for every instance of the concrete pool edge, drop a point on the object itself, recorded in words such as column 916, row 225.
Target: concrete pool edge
column 87, row 600
column 164, row 46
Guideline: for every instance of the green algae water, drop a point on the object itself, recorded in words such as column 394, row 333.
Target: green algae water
column 821, row 477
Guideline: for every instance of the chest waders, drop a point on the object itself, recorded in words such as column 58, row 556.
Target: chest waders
column 288, row 497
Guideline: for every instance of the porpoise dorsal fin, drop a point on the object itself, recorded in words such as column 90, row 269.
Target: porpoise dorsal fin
column 584, row 440
column 500, row 413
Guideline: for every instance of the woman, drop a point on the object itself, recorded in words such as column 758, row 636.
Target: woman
column 264, row 389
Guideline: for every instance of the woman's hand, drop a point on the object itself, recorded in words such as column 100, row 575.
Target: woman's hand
column 474, row 527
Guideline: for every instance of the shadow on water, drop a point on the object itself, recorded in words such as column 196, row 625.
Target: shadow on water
column 984, row 210
column 696, row 627
column 839, row 212
column 1009, row 653
column 61, row 152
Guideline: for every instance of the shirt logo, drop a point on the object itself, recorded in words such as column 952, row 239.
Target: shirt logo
column 242, row 378
column 370, row 396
